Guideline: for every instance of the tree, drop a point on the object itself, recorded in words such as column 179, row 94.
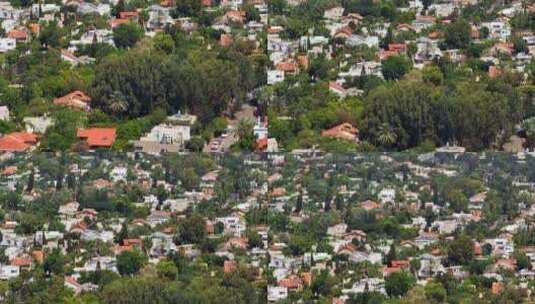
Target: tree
column 50, row 35
column 192, row 230
column 187, row 8
column 387, row 137
column 394, row 67
column 435, row 292
column 398, row 283
column 54, row 263
column 167, row 269
column 127, row 35
column 461, row 250
column 391, row 255
column 31, row 181
column 457, row 34
column 164, row 43
column 130, row 262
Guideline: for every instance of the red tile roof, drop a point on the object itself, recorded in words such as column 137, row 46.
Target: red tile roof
column 17, row 34
column 128, row 15
column 98, row 137
column 17, row 141
column 21, row 261
column 342, row 131
column 75, row 99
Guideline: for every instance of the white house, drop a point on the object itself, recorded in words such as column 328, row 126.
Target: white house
column 4, row 113
column 274, row 76
column 277, row 293
column 7, row 44
column 8, row 272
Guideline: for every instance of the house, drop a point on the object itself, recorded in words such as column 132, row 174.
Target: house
column 337, row 89
column 20, row 35
column 75, row 61
column 17, row 142
column 337, row 230
column 4, row 113
column 69, row 210
column 260, row 129
column 37, row 124
column 7, row 44
column 8, row 272
column 342, row 131
column 76, row 99
column 274, row 76
column 97, row 137
column 334, row 13
column 498, row 30
column 387, row 195
column 276, row 293
column 159, row 17
column 423, row 23
column 169, row 136
column 367, row 285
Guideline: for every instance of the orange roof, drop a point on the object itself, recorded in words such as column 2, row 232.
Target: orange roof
column 75, row 99
column 335, row 86
column 17, row 141
column 280, row 191
column 128, row 15
column 21, row 261
column 342, row 131
column 344, row 31
column 287, row 66
column 493, row 71
column 261, row 144
column 35, row 28
column 368, row 205
column 230, row 266
column 302, row 60
column 497, row 287
column 236, row 16
column 225, row 40
column 17, row 34
column 397, row 47
column 167, row 3
column 133, row 242
column 98, row 137
column 9, row 170
column 404, row 26
column 117, row 21
column 291, row 282
column 306, row 277
column 38, row 255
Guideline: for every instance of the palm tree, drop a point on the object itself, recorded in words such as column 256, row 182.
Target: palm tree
column 117, row 103
column 386, row 135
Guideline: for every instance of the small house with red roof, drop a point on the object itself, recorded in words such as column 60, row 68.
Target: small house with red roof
column 76, row 99
column 17, row 142
column 98, row 137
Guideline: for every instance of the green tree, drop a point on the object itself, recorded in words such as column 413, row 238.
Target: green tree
column 130, row 262
column 398, row 283
column 394, row 67
column 457, row 34
column 127, row 35
column 167, row 269
column 461, row 250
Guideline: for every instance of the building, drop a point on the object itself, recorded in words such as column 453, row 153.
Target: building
column 17, row 142
column 4, row 113
column 170, row 136
column 76, row 99
column 97, row 137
